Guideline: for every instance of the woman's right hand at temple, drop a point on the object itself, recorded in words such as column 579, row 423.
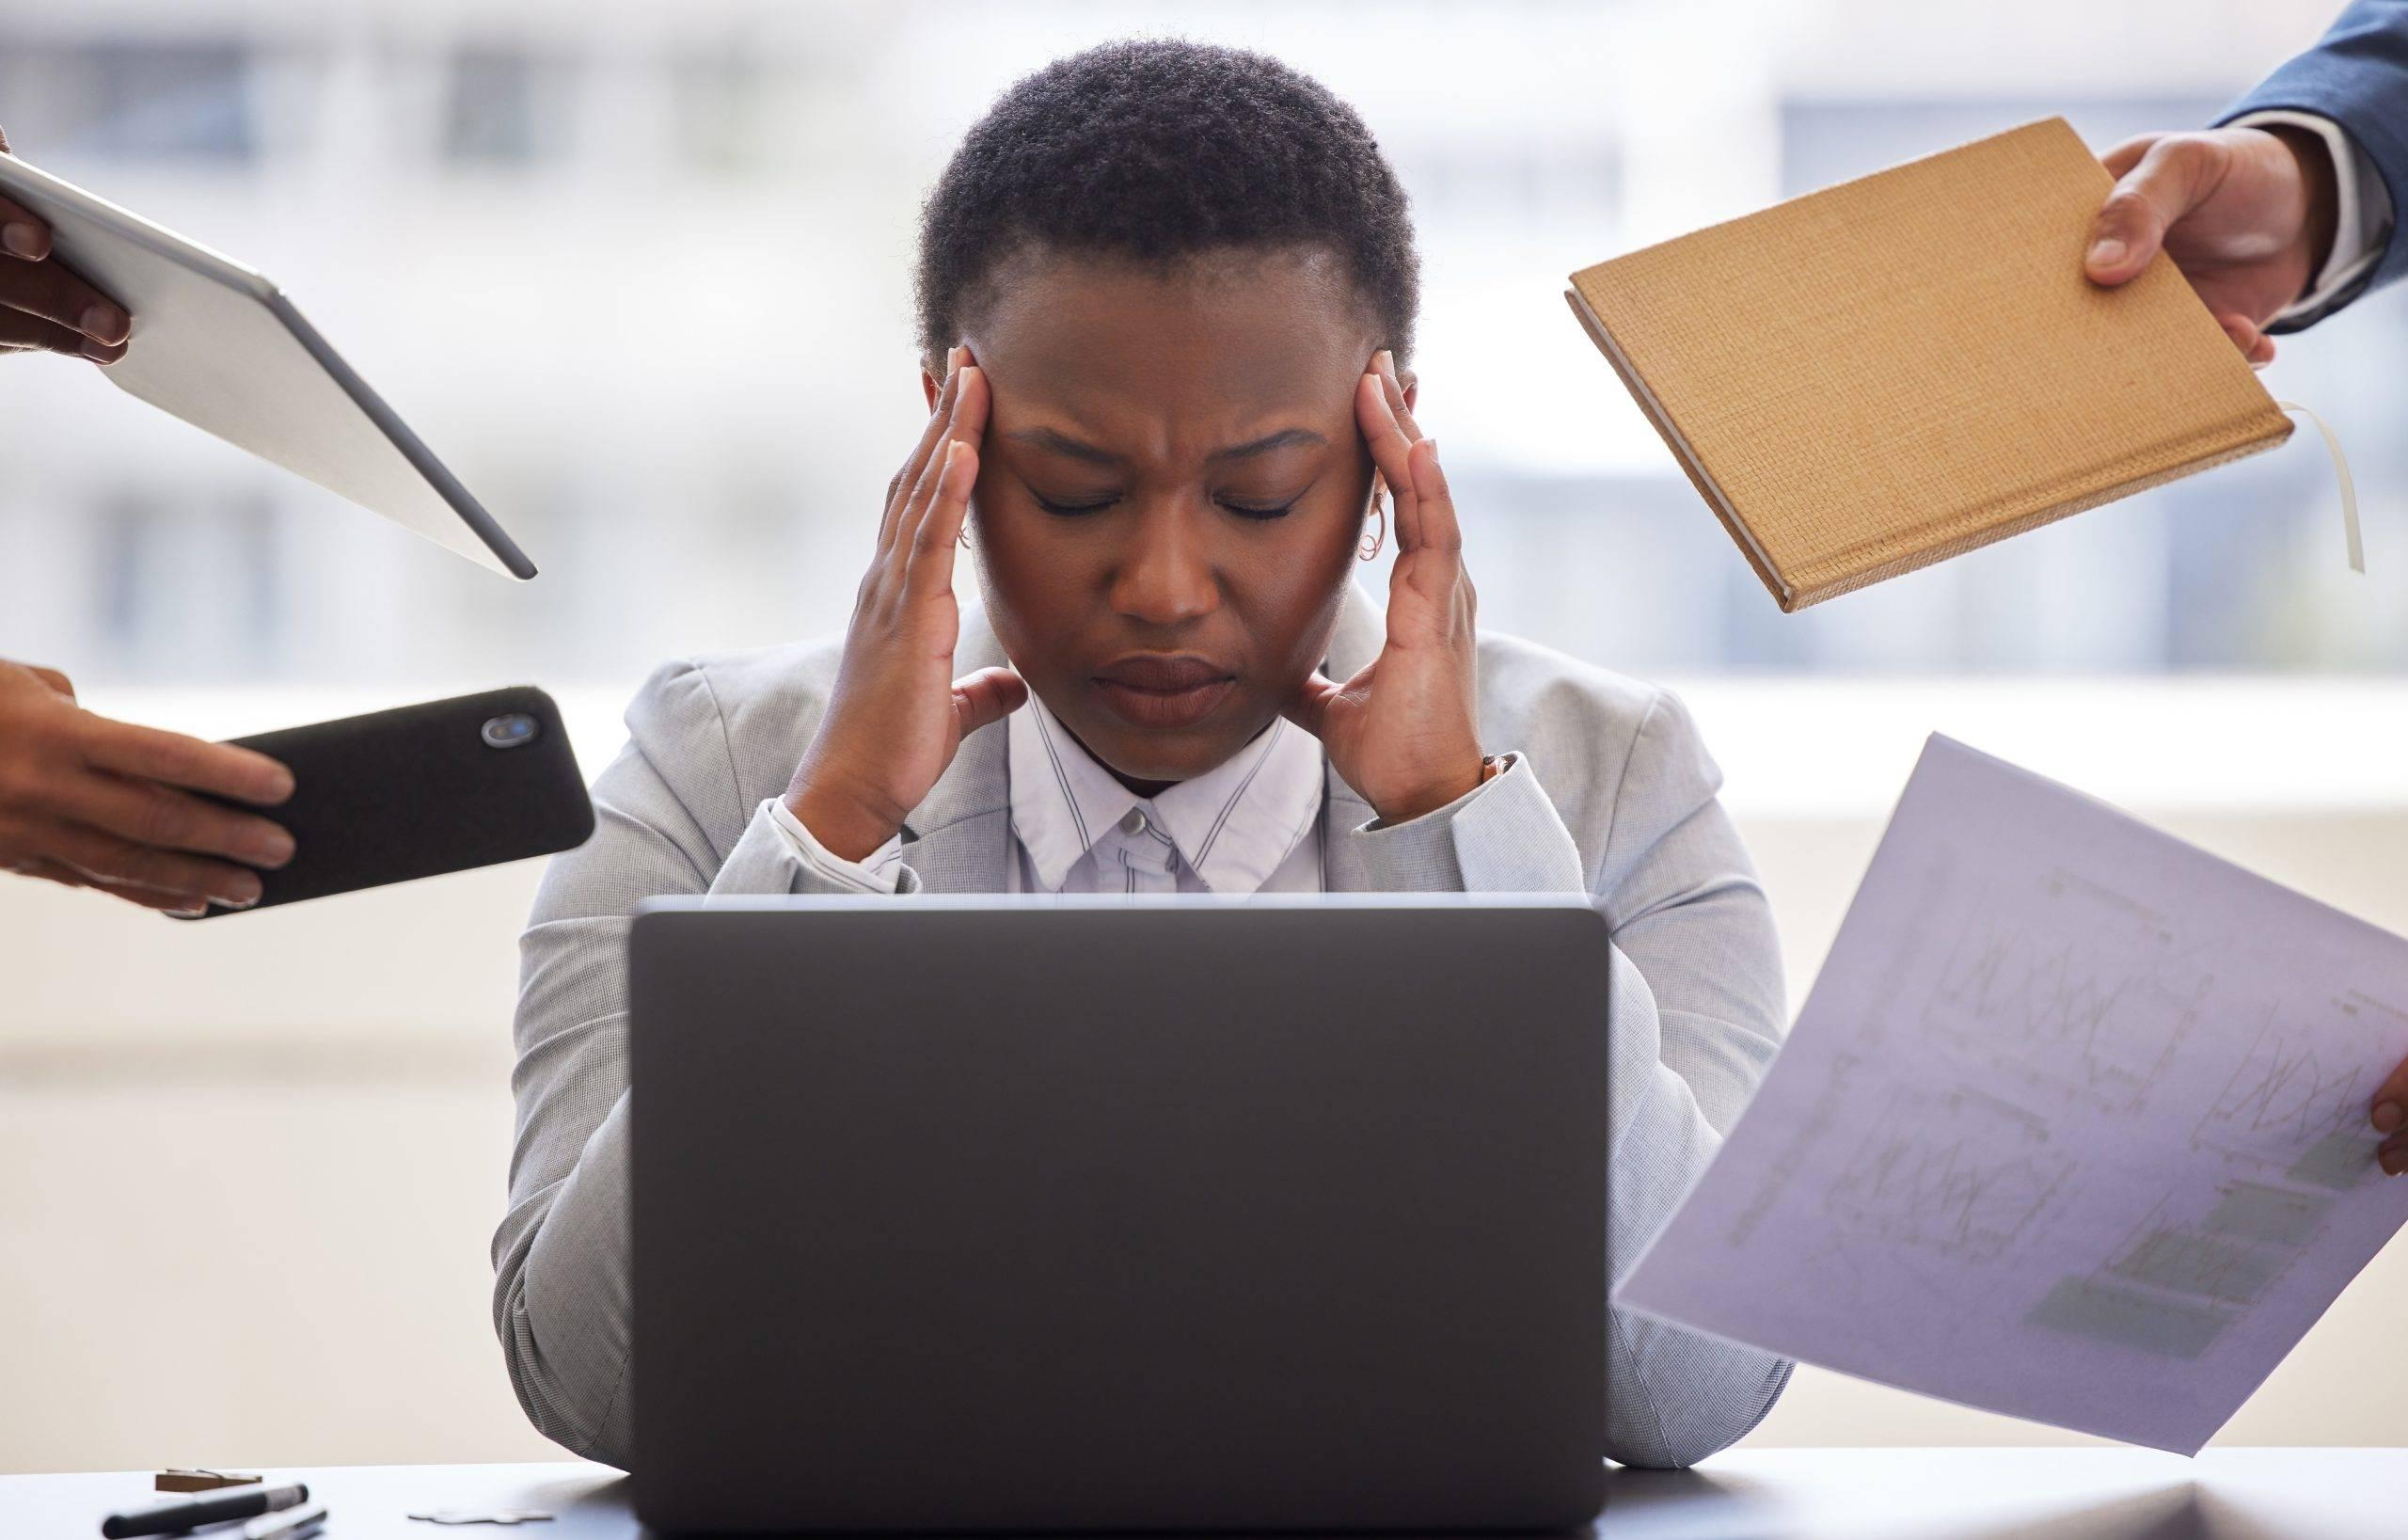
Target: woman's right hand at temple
column 897, row 713
column 44, row 307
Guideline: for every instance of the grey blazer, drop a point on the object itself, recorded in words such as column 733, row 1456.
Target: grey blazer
column 1613, row 796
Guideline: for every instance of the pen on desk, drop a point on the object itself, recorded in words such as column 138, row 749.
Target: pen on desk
column 290, row 1524
column 208, row 1508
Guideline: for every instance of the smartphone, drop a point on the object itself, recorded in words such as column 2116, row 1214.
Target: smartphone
column 422, row 790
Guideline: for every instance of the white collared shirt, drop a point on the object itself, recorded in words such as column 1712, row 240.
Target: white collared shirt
column 1251, row 824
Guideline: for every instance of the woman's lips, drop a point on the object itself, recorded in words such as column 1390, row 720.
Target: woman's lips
column 1163, row 690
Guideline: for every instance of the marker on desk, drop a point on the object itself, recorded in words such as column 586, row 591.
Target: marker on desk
column 208, row 1508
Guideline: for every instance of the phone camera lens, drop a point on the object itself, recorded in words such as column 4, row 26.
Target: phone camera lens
column 509, row 731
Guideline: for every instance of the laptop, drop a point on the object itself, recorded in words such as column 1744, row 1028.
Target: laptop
column 983, row 1213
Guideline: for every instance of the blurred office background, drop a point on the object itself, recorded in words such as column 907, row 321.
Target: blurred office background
column 639, row 272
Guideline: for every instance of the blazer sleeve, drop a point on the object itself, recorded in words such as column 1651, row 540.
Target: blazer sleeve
column 2357, row 76
column 1697, row 1010
column 668, row 819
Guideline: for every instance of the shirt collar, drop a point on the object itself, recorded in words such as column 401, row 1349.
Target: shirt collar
column 1233, row 825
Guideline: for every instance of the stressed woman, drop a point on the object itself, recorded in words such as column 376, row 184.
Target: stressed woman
column 1166, row 294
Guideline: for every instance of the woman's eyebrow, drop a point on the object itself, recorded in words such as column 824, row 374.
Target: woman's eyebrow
column 1062, row 443
column 1284, row 439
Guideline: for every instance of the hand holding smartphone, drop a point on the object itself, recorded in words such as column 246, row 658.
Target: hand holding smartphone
column 422, row 790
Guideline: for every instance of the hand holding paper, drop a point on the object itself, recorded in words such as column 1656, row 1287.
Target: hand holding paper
column 2073, row 1126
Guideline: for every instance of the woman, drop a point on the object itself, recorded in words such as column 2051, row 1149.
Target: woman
column 1163, row 290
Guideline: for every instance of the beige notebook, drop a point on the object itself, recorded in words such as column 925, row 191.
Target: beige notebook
column 1897, row 369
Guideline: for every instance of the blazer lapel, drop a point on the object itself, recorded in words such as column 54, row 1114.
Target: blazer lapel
column 958, row 840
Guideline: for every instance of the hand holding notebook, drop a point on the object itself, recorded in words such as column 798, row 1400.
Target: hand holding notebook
column 1851, row 417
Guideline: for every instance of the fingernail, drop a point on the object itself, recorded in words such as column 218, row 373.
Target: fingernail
column 1386, row 362
column 2394, row 1161
column 237, row 895
column 953, row 357
column 103, row 323
column 2107, row 253
column 2388, row 1115
column 269, row 850
column 1433, row 450
column 193, row 913
column 280, row 786
column 100, row 353
column 23, row 240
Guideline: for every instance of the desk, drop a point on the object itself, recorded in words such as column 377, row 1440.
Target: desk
column 1773, row 1494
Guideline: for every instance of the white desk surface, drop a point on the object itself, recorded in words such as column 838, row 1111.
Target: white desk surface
column 1775, row 1493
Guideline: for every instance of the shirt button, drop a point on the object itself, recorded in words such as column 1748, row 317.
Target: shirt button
column 1133, row 821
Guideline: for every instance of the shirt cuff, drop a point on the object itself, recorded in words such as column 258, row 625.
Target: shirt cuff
column 2361, row 208
column 1504, row 836
column 881, row 872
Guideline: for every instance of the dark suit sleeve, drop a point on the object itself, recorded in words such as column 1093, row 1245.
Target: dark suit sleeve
column 2357, row 76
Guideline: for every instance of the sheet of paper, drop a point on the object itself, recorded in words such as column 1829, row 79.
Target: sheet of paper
column 2073, row 1125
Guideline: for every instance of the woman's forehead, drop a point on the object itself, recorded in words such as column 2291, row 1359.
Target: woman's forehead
column 1228, row 340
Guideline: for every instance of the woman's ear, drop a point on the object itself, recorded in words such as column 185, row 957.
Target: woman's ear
column 1411, row 383
column 929, row 386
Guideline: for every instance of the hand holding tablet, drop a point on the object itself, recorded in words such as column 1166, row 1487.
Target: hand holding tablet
column 205, row 339
column 44, row 307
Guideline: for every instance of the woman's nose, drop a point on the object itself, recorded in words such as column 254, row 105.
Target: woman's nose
column 1165, row 577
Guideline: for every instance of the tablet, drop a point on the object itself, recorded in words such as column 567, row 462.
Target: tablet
column 220, row 346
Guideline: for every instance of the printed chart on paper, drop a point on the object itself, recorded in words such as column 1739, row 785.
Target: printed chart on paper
column 2073, row 1125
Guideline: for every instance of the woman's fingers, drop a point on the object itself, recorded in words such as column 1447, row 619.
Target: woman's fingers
column 50, row 292
column 906, row 481
column 65, row 876
column 146, row 813
column 1391, row 451
column 20, row 331
column 172, row 759
column 986, row 697
column 106, row 859
column 23, row 235
column 1433, row 501
column 938, row 535
column 963, row 425
column 1383, row 365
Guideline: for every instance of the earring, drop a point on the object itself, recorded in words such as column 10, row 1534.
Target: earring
column 1369, row 546
column 965, row 537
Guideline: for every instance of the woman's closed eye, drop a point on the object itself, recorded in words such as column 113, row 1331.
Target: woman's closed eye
column 1246, row 509
column 1074, row 507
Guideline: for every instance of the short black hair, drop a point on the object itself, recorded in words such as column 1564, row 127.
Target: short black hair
column 1159, row 150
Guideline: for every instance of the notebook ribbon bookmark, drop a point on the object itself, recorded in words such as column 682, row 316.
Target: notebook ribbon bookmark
column 2349, row 487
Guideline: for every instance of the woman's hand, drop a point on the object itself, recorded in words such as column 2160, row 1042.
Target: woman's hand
column 899, row 714
column 1404, row 732
column 94, row 804
column 42, row 305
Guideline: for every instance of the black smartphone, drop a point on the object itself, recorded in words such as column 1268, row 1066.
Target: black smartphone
column 420, row 790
